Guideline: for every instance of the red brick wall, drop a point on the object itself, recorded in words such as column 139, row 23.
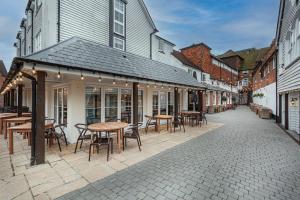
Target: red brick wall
column 200, row 55
column 234, row 61
column 267, row 67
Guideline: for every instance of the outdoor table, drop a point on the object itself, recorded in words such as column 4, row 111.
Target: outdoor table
column 17, row 120
column 24, row 128
column 9, row 115
column 110, row 127
column 186, row 114
column 162, row 117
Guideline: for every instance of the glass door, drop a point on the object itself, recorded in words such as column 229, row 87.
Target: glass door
column 60, row 105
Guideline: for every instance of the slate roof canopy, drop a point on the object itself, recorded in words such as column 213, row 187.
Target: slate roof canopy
column 3, row 71
column 83, row 54
column 183, row 59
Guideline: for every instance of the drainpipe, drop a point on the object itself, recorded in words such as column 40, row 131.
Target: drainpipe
column 276, row 95
column 25, row 38
column 151, row 40
column 20, row 49
column 32, row 14
column 58, row 20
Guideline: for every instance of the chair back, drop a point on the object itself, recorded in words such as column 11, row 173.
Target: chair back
column 81, row 128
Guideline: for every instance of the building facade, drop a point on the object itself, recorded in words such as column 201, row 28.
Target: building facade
column 288, row 66
column 264, row 80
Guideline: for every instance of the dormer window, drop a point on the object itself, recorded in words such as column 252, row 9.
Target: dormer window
column 119, row 43
column 161, row 45
column 119, row 17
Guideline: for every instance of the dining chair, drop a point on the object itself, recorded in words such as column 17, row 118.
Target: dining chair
column 132, row 133
column 59, row 133
column 102, row 139
column 48, row 132
column 82, row 130
column 178, row 121
column 150, row 122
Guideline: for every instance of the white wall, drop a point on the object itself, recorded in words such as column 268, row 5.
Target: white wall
column 269, row 99
column 294, row 112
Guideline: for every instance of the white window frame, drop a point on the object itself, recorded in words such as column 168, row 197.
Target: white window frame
column 122, row 12
column 63, row 88
column 38, row 41
column 161, row 45
column 120, row 40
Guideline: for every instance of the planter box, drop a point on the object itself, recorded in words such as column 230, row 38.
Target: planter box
column 265, row 113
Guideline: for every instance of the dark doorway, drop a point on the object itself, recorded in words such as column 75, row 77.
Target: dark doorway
column 286, row 111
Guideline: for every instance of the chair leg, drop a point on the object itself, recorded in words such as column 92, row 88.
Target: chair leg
column 57, row 138
column 66, row 139
column 123, row 143
column 81, row 144
column 90, row 153
column 108, row 147
column 137, row 139
column 76, row 146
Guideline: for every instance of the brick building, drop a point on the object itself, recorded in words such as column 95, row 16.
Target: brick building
column 245, row 62
column 222, row 76
column 264, row 80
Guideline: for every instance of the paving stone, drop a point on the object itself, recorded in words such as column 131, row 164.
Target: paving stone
column 247, row 158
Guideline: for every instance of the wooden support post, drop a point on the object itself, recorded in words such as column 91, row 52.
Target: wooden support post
column 176, row 102
column 20, row 100
column 12, row 97
column 200, row 101
column 135, row 105
column 40, row 118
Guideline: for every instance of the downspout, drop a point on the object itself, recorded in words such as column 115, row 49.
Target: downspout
column 276, row 80
column 25, row 38
column 151, row 40
column 58, row 21
column 32, row 14
column 20, row 49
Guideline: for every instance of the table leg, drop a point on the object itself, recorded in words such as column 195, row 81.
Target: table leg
column 1, row 130
column 119, row 141
column 29, row 138
column 5, row 131
column 167, row 125
column 11, row 142
column 158, row 125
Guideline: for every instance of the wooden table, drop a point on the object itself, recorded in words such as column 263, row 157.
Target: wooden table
column 162, row 117
column 17, row 120
column 110, row 127
column 186, row 114
column 24, row 128
column 9, row 115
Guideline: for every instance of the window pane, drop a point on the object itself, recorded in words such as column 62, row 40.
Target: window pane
column 155, row 103
column 65, row 106
column 163, row 103
column 126, row 105
column 170, row 103
column 119, row 28
column 93, row 105
column 59, row 106
column 119, row 43
column 141, row 105
column 119, row 17
column 119, row 5
column 111, row 104
column 55, row 104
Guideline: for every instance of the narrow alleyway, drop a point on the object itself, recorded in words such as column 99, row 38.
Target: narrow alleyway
column 248, row 158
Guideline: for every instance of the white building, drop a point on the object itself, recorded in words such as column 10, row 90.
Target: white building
column 288, row 68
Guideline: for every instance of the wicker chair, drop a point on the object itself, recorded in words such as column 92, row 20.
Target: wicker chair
column 82, row 130
column 133, row 133
column 150, row 122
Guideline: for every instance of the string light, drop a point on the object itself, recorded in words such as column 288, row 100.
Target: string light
column 33, row 69
column 148, row 85
column 100, row 79
column 126, row 84
column 82, row 77
column 58, row 74
column 114, row 81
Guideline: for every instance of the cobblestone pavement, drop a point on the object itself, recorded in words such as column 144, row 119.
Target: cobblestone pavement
column 248, row 158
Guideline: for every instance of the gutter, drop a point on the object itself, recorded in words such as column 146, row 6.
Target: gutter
column 151, row 40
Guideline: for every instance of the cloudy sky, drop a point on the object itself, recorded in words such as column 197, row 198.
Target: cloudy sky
column 221, row 24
